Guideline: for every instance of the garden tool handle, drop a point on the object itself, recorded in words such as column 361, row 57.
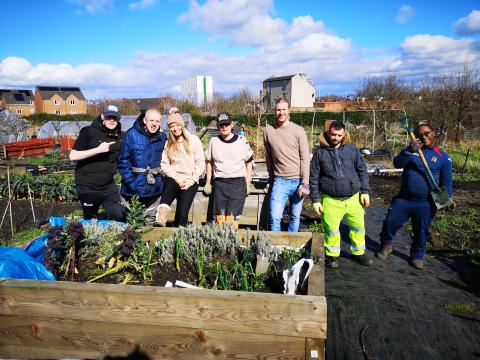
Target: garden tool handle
column 424, row 161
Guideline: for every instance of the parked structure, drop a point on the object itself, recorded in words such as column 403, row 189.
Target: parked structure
column 59, row 100
column 297, row 89
column 198, row 90
column 19, row 102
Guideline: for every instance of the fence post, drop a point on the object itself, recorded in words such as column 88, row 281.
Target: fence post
column 374, row 126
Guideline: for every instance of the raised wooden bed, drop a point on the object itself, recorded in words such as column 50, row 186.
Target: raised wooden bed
column 41, row 319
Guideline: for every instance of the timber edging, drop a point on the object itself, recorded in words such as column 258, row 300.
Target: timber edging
column 42, row 319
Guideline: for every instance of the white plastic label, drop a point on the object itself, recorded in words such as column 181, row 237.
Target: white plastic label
column 314, row 354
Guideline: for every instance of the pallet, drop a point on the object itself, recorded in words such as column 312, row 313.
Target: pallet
column 42, row 319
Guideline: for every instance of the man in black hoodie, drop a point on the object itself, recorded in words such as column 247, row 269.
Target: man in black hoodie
column 96, row 150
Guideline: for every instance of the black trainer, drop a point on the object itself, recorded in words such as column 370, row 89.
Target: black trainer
column 332, row 262
column 362, row 259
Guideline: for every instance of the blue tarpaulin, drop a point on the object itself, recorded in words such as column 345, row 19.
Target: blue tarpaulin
column 27, row 263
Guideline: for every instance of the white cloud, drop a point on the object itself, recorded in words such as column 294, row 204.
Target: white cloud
column 404, row 14
column 224, row 16
column 304, row 25
column 141, row 5
column 469, row 25
column 280, row 48
column 93, row 6
column 430, row 54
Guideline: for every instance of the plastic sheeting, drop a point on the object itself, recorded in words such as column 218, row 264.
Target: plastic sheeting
column 61, row 128
column 16, row 263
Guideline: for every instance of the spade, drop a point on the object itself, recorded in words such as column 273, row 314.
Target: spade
column 439, row 196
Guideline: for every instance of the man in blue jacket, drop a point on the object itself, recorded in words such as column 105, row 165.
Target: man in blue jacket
column 339, row 188
column 139, row 163
column 414, row 200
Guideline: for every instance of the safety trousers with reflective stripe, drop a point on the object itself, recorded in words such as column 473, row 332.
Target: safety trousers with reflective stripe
column 334, row 210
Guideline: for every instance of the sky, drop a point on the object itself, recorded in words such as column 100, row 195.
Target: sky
column 146, row 48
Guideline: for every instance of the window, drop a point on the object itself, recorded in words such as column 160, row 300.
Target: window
column 72, row 102
column 57, row 112
column 73, row 111
column 19, row 111
column 56, row 102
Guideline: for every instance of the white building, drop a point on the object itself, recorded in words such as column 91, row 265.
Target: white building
column 298, row 89
column 198, row 90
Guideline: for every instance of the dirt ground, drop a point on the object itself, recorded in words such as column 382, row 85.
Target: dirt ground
column 22, row 215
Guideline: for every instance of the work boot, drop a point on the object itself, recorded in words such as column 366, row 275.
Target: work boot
column 362, row 259
column 162, row 213
column 332, row 262
column 417, row 263
column 384, row 252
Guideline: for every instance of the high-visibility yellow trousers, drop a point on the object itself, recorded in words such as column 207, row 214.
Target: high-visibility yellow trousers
column 334, row 211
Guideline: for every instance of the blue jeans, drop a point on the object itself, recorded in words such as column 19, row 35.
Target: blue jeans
column 282, row 190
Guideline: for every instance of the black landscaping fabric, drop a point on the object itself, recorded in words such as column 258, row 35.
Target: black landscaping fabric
column 393, row 311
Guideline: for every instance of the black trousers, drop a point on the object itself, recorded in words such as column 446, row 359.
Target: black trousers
column 108, row 196
column 172, row 191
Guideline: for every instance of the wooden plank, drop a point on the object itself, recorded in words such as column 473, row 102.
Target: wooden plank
column 198, row 210
column 93, row 339
column 276, row 314
column 295, row 240
column 316, row 281
column 314, row 349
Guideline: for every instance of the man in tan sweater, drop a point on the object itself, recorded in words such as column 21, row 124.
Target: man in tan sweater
column 288, row 164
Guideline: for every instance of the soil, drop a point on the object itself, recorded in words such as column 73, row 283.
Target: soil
column 23, row 218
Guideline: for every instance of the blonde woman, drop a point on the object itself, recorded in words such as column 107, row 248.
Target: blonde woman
column 183, row 162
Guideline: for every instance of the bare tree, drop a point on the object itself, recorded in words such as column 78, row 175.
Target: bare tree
column 11, row 126
column 447, row 101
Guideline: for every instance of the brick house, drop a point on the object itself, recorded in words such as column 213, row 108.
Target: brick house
column 18, row 101
column 60, row 100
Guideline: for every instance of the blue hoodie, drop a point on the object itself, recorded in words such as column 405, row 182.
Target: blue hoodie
column 415, row 182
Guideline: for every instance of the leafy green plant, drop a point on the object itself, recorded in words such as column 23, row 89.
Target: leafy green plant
column 316, row 226
column 178, row 251
column 136, row 214
column 291, row 256
column 57, row 186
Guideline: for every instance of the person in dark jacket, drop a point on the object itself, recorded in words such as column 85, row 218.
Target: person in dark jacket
column 96, row 150
column 414, row 200
column 339, row 188
column 139, row 163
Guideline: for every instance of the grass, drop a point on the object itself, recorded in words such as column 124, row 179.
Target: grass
column 461, row 308
column 459, row 229
column 458, row 153
column 23, row 238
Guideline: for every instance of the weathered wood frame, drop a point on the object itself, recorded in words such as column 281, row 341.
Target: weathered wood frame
column 41, row 319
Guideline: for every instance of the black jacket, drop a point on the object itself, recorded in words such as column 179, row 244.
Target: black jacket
column 337, row 172
column 98, row 169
